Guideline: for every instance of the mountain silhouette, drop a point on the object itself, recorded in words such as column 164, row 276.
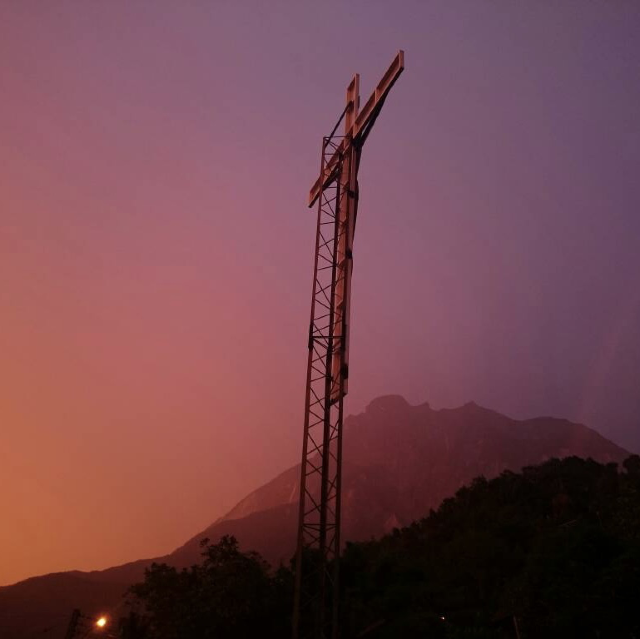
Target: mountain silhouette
column 400, row 461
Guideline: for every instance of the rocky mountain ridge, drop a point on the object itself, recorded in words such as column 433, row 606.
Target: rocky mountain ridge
column 400, row 461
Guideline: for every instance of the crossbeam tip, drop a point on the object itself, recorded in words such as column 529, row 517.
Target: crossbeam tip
column 361, row 124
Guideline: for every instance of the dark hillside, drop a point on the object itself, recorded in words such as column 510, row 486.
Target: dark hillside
column 555, row 550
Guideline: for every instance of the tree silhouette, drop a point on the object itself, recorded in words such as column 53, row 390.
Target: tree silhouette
column 552, row 551
column 230, row 594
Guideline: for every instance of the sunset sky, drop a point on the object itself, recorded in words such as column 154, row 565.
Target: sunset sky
column 156, row 250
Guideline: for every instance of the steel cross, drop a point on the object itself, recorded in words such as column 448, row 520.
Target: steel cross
column 336, row 194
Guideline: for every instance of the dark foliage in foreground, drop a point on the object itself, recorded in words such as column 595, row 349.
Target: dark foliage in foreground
column 231, row 594
column 553, row 551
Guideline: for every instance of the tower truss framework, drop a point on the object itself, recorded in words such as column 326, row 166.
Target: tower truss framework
column 336, row 194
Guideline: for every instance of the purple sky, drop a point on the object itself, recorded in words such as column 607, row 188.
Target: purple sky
column 156, row 249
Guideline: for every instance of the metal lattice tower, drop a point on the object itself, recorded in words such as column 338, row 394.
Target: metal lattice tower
column 336, row 193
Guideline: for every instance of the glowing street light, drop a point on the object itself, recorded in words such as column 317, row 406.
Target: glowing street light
column 101, row 622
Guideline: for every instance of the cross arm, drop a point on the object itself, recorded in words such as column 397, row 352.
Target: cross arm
column 361, row 128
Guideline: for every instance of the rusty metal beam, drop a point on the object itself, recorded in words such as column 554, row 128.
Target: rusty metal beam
column 361, row 125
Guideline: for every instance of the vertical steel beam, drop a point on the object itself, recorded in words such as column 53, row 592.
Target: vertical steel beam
column 317, row 549
column 316, row 599
column 317, row 572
